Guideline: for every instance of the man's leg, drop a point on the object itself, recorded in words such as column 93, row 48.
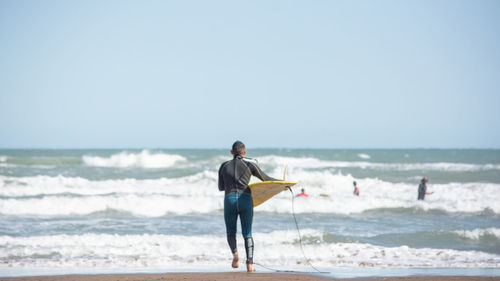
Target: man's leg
column 230, row 218
column 246, row 217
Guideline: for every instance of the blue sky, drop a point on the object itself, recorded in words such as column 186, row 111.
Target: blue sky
column 201, row 74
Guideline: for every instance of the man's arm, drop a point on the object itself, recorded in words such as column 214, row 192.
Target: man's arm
column 256, row 171
column 221, row 178
column 424, row 189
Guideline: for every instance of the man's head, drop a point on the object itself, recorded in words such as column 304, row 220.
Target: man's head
column 424, row 180
column 238, row 149
column 354, row 183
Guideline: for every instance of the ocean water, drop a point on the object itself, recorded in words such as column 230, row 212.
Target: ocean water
column 67, row 211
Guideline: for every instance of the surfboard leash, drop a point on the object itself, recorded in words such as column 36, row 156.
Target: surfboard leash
column 300, row 236
column 301, row 245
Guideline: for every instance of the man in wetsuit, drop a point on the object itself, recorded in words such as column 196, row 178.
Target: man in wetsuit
column 422, row 189
column 234, row 177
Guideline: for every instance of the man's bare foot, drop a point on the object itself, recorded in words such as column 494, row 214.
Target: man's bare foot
column 250, row 268
column 235, row 260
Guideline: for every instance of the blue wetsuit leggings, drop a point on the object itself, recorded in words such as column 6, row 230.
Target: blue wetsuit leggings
column 239, row 204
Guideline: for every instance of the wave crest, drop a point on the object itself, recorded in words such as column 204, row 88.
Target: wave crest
column 198, row 193
column 477, row 234
column 276, row 248
column 144, row 159
column 315, row 163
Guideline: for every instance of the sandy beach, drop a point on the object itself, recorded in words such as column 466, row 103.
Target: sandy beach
column 240, row 276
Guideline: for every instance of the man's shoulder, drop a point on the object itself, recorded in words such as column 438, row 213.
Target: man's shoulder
column 250, row 164
column 224, row 164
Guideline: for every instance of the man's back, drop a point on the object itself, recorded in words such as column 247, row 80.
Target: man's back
column 234, row 175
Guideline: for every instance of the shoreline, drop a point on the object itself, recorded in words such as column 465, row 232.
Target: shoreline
column 239, row 276
column 338, row 273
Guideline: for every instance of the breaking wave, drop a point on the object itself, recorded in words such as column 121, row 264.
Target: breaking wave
column 480, row 233
column 144, row 159
column 275, row 248
column 314, row 163
column 329, row 193
column 364, row 156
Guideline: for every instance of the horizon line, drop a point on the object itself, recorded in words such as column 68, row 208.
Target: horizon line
column 270, row 147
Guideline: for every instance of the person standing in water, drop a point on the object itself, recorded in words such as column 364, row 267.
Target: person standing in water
column 422, row 189
column 356, row 189
column 234, row 176
column 303, row 193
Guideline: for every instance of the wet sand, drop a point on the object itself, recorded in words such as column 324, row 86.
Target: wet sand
column 239, row 276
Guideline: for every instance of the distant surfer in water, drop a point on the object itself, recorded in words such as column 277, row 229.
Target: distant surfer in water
column 303, row 193
column 234, row 177
column 422, row 189
column 356, row 189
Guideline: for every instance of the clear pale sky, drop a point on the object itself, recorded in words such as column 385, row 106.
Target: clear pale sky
column 201, row 74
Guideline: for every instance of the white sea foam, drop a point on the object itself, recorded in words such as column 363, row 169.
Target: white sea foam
column 63, row 196
column 478, row 233
column 3, row 160
column 275, row 248
column 376, row 194
column 312, row 163
column 144, row 159
column 60, row 185
column 66, row 196
column 364, row 156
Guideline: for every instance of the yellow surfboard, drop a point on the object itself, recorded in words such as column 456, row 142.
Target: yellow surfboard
column 263, row 191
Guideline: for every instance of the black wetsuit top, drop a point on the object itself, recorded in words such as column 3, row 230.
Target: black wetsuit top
column 422, row 189
column 234, row 175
